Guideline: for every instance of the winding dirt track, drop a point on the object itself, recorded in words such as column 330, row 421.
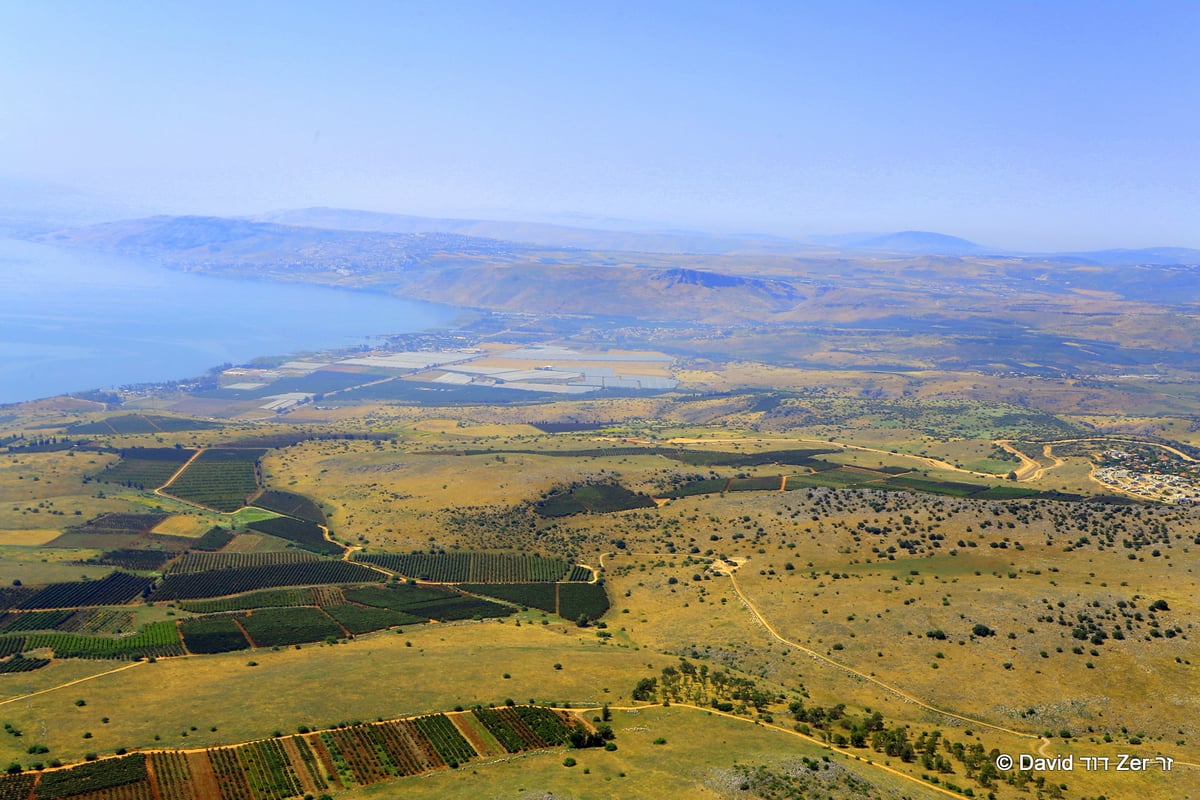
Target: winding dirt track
column 791, row 732
column 908, row 698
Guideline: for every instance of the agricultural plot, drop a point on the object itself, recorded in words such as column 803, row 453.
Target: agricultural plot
column 92, row 777
column 223, row 479
column 522, row 728
column 230, row 777
column 767, row 483
column 582, row 599
column 838, row 478
column 450, row 745
column 269, row 770
column 318, row 382
column 543, row 596
column 305, row 534
column 470, row 567
column 158, row 639
column 10, row 645
column 294, row 766
column 358, row 619
column 212, row 635
column 272, row 627
column 16, row 787
column 214, row 538
column 203, row 562
column 590, row 498
column 112, row 590
column 145, row 467
column 117, row 523
column 291, row 505
column 97, row 620
column 427, row 602
column 12, row 597
column 33, row 621
column 87, row 620
column 567, row 600
column 268, row 598
column 220, row 582
column 19, row 663
column 697, row 487
column 143, row 423
column 137, row 559
column 173, row 776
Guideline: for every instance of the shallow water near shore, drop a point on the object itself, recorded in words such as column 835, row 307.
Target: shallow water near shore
column 71, row 320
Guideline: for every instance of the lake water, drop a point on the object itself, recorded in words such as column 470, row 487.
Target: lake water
column 71, row 320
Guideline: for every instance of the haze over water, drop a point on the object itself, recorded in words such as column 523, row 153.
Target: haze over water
column 72, row 321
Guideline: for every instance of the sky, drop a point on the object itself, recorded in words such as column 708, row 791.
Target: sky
column 1024, row 125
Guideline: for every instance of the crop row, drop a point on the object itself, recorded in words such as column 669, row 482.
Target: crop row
column 114, row 589
column 525, row 727
column 470, row 567
column 366, row 754
column 231, row 777
column 450, row 745
column 173, row 775
column 217, row 583
column 203, row 562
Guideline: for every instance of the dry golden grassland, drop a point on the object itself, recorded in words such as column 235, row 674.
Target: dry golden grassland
column 41, row 490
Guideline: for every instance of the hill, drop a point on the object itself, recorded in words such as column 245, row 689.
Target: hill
column 534, row 233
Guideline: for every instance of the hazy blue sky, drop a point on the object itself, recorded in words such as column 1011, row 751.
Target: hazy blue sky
column 1019, row 124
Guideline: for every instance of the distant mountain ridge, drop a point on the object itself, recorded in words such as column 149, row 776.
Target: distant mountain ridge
column 535, row 233
column 723, row 287
column 922, row 242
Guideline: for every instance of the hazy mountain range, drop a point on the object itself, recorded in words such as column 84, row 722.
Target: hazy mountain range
column 673, row 277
